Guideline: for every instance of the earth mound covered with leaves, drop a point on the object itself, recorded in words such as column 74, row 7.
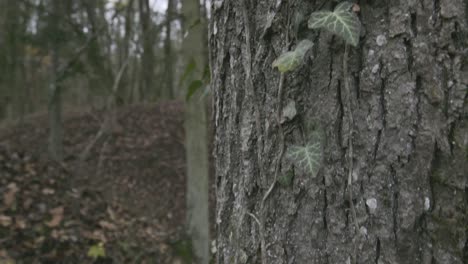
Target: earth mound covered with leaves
column 125, row 203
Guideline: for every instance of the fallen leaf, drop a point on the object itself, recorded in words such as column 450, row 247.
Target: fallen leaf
column 10, row 196
column 29, row 245
column 57, row 217
column 29, row 168
column 58, row 234
column 48, row 191
column 111, row 213
column 96, row 235
column 97, row 251
column 107, row 225
column 71, row 223
column 27, row 203
column 20, row 223
column 5, row 220
column 7, row 261
column 38, row 241
column 163, row 248
column 3, row 254
column 54, row 234
column 177, row 260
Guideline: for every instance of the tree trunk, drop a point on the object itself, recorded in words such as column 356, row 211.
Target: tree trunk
column 55, row 93
column 96, row 52
column 408, row 90
column 147, row 59
column 168, row 90
column 196, row 130
column 125, row 87
column 12, row 52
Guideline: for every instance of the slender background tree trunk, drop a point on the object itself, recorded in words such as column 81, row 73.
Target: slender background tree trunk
column 168, row 89
column 408, row 80
column 147, row 87
column 196, row 130
column 55, row 91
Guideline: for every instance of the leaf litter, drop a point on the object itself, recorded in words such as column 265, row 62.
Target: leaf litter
column 125, row 204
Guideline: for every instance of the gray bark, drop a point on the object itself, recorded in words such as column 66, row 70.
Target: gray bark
column 408, row 80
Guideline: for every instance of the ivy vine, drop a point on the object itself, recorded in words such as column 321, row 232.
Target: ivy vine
column 343, row 22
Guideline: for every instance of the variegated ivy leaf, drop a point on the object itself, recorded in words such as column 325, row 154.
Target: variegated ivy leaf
column 306, row 158
column 303, row 46
column 342, row 22
column 290, row 60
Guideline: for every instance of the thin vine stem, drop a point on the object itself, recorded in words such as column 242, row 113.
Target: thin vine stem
column 350, row 138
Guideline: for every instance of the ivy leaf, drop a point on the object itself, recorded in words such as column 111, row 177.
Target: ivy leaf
column 189, row 69
column 193, row 88
column 290, row 60
column 286, row 179
column 342, row 22
column 287, row 61
column 97, row 251
column 306, row 158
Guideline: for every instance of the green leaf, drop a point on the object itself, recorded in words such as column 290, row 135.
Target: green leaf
column 342, row 22
column 287, row 61
column 290, row 60
column 193, row 88
column 191, row 66
column 207, row 74
column 307, row 158
column 286, row 179
column 302, row 47
column 97, row 251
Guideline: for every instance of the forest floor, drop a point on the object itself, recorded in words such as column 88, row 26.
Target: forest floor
column 124, row 204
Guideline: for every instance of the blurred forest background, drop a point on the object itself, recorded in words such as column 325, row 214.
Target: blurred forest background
column 95, row 166
column 84, row 44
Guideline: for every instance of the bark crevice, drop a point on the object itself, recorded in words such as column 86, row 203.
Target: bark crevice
column 395, row 194
column 377, row 251
column 414, row 24
column 357, row 75
column 376, row 147
column 325, row 205
column 383, row 108
column 330, row 67
column 339, row 123
column 409, row 53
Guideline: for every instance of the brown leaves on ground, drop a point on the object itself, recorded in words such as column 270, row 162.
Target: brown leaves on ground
column 57, row 217
column 9, row 196
column 5, row 221
column 129, row 194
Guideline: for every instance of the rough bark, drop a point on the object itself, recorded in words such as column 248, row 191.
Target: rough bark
column 408, row 80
